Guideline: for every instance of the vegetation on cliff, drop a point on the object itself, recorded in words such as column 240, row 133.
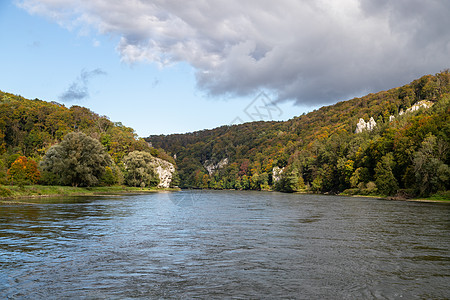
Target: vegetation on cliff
column 406, row 152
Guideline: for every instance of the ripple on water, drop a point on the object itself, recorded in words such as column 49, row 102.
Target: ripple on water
column 210, row 244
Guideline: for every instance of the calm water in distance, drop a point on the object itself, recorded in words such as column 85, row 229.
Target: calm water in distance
column 219, row 244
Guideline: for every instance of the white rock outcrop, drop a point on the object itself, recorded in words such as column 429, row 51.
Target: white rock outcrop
column 362, row 125
column 276, row 173
column 211, row 167
column 421, row 104
column 165, row 171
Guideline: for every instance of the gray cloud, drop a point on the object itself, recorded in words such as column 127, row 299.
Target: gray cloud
column 312, row 52
column 155, row 82
column 78, row 90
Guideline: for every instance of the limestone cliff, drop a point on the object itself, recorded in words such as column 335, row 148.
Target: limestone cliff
column 362, row 125
column 421, row 104
column 212, row 167
column 371, row 124
column 276, row 173
column 165, row 171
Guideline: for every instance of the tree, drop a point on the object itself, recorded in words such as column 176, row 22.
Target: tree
column 289, row 182
column 23, row 170
column 245, row 182
column 140, row 169
column 345, row 170
column 384, row 178
column 3, row 172
column 431, row 173
column 78, row 160
column 112, row 176
column 361, row 174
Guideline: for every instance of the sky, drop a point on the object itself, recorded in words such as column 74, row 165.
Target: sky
column 167, row 66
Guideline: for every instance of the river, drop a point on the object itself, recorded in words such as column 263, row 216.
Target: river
column 224, row 244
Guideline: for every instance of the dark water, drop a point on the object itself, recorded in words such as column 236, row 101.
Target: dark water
column 240, row 245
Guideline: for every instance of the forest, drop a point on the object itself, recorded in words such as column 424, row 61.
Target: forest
column 405, row 153
column 47, row 143
column 393, row 143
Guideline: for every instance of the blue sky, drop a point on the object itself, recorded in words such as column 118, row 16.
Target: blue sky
column 42, row 60
column 167, row 66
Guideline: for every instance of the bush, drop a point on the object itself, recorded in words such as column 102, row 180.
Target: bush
column 5, row 192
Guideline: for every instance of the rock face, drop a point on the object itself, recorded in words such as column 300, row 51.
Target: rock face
column 211, row 167
column 421, row 104
column 362, row 125
column 276, row 173
column 165, row 171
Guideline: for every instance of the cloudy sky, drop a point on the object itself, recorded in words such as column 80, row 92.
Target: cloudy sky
column 166, row 66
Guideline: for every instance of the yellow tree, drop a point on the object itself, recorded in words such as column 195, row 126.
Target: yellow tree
column 22, row 170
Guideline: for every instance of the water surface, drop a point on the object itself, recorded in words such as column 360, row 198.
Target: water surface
column 209, row 244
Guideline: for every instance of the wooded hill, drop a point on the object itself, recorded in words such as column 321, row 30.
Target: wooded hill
column 28, row 128
column 406, row 152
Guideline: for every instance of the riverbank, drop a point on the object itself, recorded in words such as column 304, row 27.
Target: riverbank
column 436, row 198
column 34, row 191
column 401, row 195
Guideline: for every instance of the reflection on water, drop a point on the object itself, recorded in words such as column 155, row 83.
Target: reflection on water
column 224, row 244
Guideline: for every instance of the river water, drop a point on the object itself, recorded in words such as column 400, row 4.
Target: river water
column 224, row 244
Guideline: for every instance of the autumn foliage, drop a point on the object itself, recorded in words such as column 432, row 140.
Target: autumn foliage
column 30, row 128
column 320, row 151
column 23, row 170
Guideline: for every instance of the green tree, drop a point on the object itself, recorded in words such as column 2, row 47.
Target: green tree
column 316, row 184
column 345, row 170
column 245, row 182
column 140, row 169
column 289, row 182
column 384, row 178
column 3, row 171
column 431, row 173
column 108, row 177
column 361, row 174
column 237, row 184
column 78, row 160
column 254, row 182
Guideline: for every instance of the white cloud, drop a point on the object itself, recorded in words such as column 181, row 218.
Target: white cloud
column 311, row 51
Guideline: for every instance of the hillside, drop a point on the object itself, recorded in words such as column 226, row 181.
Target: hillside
column 29, row 128
column 321, row 152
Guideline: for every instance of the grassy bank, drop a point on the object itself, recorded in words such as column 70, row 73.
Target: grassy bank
column 438, row 197
column 442, row 197
column 14, row 192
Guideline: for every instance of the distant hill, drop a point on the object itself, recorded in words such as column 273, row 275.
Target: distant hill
column 321, row 152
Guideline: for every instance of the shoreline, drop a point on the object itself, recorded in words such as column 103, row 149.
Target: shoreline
column 386, row 198
column 41, row 191
column 37, row 191
column 390, row 198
